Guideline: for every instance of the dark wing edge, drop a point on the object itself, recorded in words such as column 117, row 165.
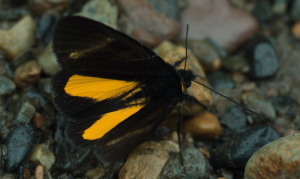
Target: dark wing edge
column 85, row 46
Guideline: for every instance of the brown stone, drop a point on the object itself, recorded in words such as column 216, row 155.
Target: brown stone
column 39, row 7
column 171, row 54
column 296, row 30
column 39, row 121
column 278, row 159
column 205, row 125
column 39, row 172
column 27, row 74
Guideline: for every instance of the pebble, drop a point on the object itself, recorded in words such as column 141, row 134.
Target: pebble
column 262, row 58
column 18, row 38
column 235, row 119
column 95, row 173
column 19, row 145
column 41, row 7
column 296, row 30
column 227, row 26
column 195, row 165
column 41, row 154
column 235, row 153
column 146, row 161
column 27, row 74
column 147, row 24
column 206, row 53
column 48, row 62
column 45, row 27
column 220, row 80
column 39, row 172
column 22, row 109
column 39, row 121
column 278, row 159
column 236, row 63
column 7, row 86
column 171, row 54
column 103, row 11
column 161, row 160
column 205, row 125
column 259, row 104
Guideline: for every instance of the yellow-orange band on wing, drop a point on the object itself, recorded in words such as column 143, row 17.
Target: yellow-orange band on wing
column 97, row 88
column 108, row 122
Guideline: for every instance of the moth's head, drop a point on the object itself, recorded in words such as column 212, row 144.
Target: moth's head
column 187, row 76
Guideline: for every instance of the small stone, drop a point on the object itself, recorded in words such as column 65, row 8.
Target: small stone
column 96, row 173
column 45, row 27
column 236, row 63
column 45, row 88
column 278, row 159
column 39, row 7
column 103, row 11
column 39, row 121
column 206, row 54
column 19, row 145
column 172, row 54
column 205, row 125
column 235, row 153
column 48, row 62
column 27, row 74
column 262, row 58
column 146, row 161
column 24, row 113
column 296, row 30
column 259, row 104
column 7, row 86
column 39, row 172
column 19, row 38
column 195, row 165
column 41, row 154
column 227, row 26
column 235, row 119
column 220, row 80
column 147, row 24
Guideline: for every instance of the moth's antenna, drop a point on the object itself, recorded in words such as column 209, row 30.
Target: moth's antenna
column 186, row 45
column 242, row 106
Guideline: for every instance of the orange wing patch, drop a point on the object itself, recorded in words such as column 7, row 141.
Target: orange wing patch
column 108, row 122
column 97, row 88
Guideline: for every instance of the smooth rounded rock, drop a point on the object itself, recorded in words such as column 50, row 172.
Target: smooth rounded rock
column 19, row 144
column 278, row 159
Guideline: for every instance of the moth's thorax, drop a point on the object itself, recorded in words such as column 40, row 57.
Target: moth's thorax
column 187, row 76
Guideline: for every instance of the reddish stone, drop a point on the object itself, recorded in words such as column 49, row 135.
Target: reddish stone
column 146, row 24
column 218, row 20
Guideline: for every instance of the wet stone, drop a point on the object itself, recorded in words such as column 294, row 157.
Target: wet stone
column 168, row 7
column 235, row 119
column 278, row 159
column 262, row 58
column 43, row 6
column 235, row 153
column 19, row 144
column 220, row 80
column 194, row 165
column 48, row 62
column 7, row 86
